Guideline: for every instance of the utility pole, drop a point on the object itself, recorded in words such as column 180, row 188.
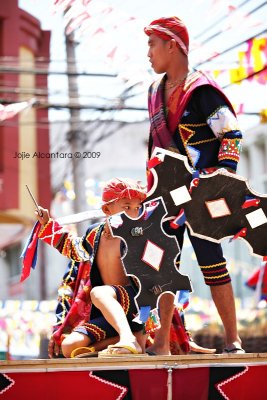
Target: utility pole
column 76, row 137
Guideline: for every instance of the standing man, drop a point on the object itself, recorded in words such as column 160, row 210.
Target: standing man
column 189, row 114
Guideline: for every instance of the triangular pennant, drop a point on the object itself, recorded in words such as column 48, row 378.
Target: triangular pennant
column 29, row 253
column 179, row 220
column 143, row 314
column 250, row 201
column 241, row 233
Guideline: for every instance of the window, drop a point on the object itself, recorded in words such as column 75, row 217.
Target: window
column 13, row 260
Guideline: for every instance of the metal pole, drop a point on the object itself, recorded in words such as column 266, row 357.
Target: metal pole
column 76, row 137
column 169, row 384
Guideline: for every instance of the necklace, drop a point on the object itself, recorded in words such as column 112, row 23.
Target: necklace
column 177, row 82
column 107, row 233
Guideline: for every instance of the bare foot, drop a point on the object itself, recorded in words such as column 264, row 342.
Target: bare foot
column 158, row 351
column 194, row 347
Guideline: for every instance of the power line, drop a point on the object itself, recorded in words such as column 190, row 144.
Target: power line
column 218, row 21
column 79, row 107
column 47, row 122
column 71, row 106
column 40, row 60
column 246, row 77
column 46, row 92
column 220, row 32
column 36, row 71
column 76, row 106
column 229, row 49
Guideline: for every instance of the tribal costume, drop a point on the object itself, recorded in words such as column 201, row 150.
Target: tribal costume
column 200, row 123
column 75, row 310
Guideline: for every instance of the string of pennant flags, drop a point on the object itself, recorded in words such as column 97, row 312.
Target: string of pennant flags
column 97, row 19
column 79, row 15
column 252, row 64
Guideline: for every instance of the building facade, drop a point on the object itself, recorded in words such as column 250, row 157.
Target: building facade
column 22, row 44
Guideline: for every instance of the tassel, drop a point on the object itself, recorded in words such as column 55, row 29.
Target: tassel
column 153, row 162
column 241, row 233
column 250, row 202
column 195, row 181
column 150, row 208
column 179, row 220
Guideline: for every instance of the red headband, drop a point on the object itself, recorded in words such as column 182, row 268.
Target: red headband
column 167, row 28
column 117, row 189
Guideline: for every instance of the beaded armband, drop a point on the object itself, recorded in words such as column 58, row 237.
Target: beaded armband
column 230, row 150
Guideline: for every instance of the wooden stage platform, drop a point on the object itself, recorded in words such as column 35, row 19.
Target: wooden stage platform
column 188, row 377
column 135, row 362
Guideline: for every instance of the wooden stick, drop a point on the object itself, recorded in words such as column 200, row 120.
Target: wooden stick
column 35, row 202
